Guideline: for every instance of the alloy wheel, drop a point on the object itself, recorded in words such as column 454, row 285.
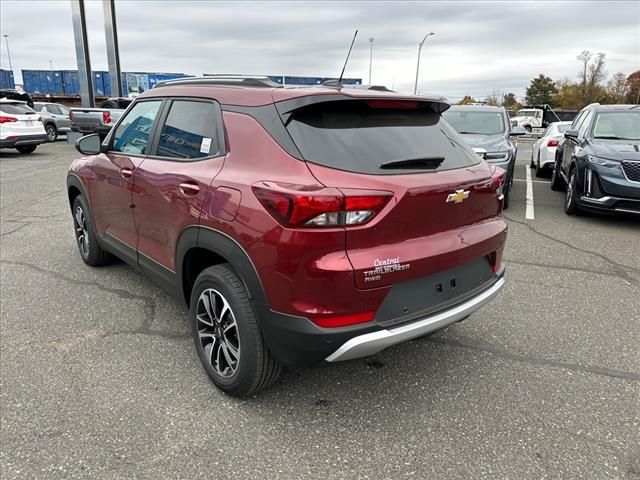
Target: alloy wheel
column 82, row 234
column 218, row 332
column 570, row 188
column 51, row 133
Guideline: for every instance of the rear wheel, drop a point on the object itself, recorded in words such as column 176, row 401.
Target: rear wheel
column 539, row 172
column 52, row 132
column 27, row 149
column 557, row 183
column 532, row 164
column 86, row 238
column 570, row 206
column 226, row 334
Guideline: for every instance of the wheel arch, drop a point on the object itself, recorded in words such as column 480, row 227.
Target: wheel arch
column 201, row 247
column 75, row 188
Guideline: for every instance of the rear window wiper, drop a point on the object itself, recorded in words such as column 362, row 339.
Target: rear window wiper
column 419, row 162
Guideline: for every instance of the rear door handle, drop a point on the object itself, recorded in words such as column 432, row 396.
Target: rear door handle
column 189, row 188
column 126, row 173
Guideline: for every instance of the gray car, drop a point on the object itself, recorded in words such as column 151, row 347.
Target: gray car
column 488, row 131
column 55, row 118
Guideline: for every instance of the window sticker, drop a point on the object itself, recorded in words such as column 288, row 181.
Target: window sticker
column 205, row 146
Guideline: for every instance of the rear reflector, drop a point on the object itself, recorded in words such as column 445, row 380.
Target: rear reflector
column 552, row 142
column 342, row 320
column 4, row 119
column 299, row 206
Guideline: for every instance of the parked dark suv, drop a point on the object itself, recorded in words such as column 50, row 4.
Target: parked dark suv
column 598, row 162
column 298, row 224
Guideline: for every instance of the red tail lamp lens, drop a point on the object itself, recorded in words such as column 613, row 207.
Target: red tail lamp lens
column 552, row 143
column 106, row 117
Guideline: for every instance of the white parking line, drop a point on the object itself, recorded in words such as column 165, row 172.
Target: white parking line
column 529, row 212
column 532, row 181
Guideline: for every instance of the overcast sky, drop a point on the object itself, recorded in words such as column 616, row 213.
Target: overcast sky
column 479, row 47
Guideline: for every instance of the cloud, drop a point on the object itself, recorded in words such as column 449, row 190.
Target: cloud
column 479, row 47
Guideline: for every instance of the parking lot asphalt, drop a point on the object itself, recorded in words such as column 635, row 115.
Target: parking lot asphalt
column 99, row 377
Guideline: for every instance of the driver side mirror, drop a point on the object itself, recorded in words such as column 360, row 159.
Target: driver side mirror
column 571, row 134
column 89, row 144
column 517, row 131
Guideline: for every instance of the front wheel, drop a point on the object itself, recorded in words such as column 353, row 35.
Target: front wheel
column 86, row 238
column 570, row 206
column 27, row 149
column 226, row 334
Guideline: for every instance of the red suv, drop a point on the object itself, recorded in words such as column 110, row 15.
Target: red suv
column 299, row 225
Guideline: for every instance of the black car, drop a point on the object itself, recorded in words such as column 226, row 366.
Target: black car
column 598, row 162
column 488, row 131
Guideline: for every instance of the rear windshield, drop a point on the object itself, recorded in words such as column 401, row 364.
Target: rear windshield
column 353, row 136
column 563, row 127
column 16, row 109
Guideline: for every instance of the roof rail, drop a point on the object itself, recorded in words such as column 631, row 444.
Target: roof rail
column 236, row 80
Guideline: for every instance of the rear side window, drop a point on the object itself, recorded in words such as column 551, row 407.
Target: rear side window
column 132, row 135
column 357, row 137
column 190, row 130
column 16, row 109
column 54, row 109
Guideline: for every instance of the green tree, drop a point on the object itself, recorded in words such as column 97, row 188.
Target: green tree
column 466, row 100
column 541, row 90
column 510, row 102
column 568, row 95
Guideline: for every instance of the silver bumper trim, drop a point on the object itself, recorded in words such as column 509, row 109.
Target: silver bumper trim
column 374, row 342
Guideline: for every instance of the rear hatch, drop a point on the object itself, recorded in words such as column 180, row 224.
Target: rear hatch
column 443, row 211
column 19, row 119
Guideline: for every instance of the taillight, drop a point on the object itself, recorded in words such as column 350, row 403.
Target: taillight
column 298, row 206
column 333, row 321
column 400, row 104
column 106, row 117
column 4, row 119
column 70, row 115
column 39, row 119
column 497, row 180
column 552, row 142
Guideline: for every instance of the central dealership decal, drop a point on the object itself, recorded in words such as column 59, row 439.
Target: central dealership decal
column 384, row 266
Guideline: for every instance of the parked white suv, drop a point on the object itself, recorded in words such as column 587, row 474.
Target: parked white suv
column 20, row 127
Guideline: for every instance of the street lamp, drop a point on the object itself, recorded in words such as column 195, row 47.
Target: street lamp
column 371, row 39
column 6, row 41
column 415, row 87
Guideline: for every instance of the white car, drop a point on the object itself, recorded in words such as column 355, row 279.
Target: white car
column 543, row 153
column 20, row 126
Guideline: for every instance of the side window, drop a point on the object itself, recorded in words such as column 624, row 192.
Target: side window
column 190, row 131
column 132, row 135
column 54, row 109
column 38, row 107
column 577, row 120
column 585, row 125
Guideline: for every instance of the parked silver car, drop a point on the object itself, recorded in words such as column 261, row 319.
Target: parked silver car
column 55, row 118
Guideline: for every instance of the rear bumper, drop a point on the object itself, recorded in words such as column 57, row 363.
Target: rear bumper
column 24, row 140
column 298, row 342
column 90, row 129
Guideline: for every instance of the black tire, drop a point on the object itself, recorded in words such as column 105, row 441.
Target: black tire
column 84, row 230
column 505, row 201
column 255, row 367
column 532, row 164
column 571, row 195
column 557, row 183
column 539, row 172
column 27, row 148
column 52, row 132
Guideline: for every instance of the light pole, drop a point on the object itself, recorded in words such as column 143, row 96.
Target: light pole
column 415, row 87
column 371, row 39
column 6, row 41
column 51, row 65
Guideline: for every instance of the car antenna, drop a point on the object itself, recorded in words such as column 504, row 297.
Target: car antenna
column 347, row 59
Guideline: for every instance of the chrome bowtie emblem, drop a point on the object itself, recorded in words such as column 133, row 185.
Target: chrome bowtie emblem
column 458, row 197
